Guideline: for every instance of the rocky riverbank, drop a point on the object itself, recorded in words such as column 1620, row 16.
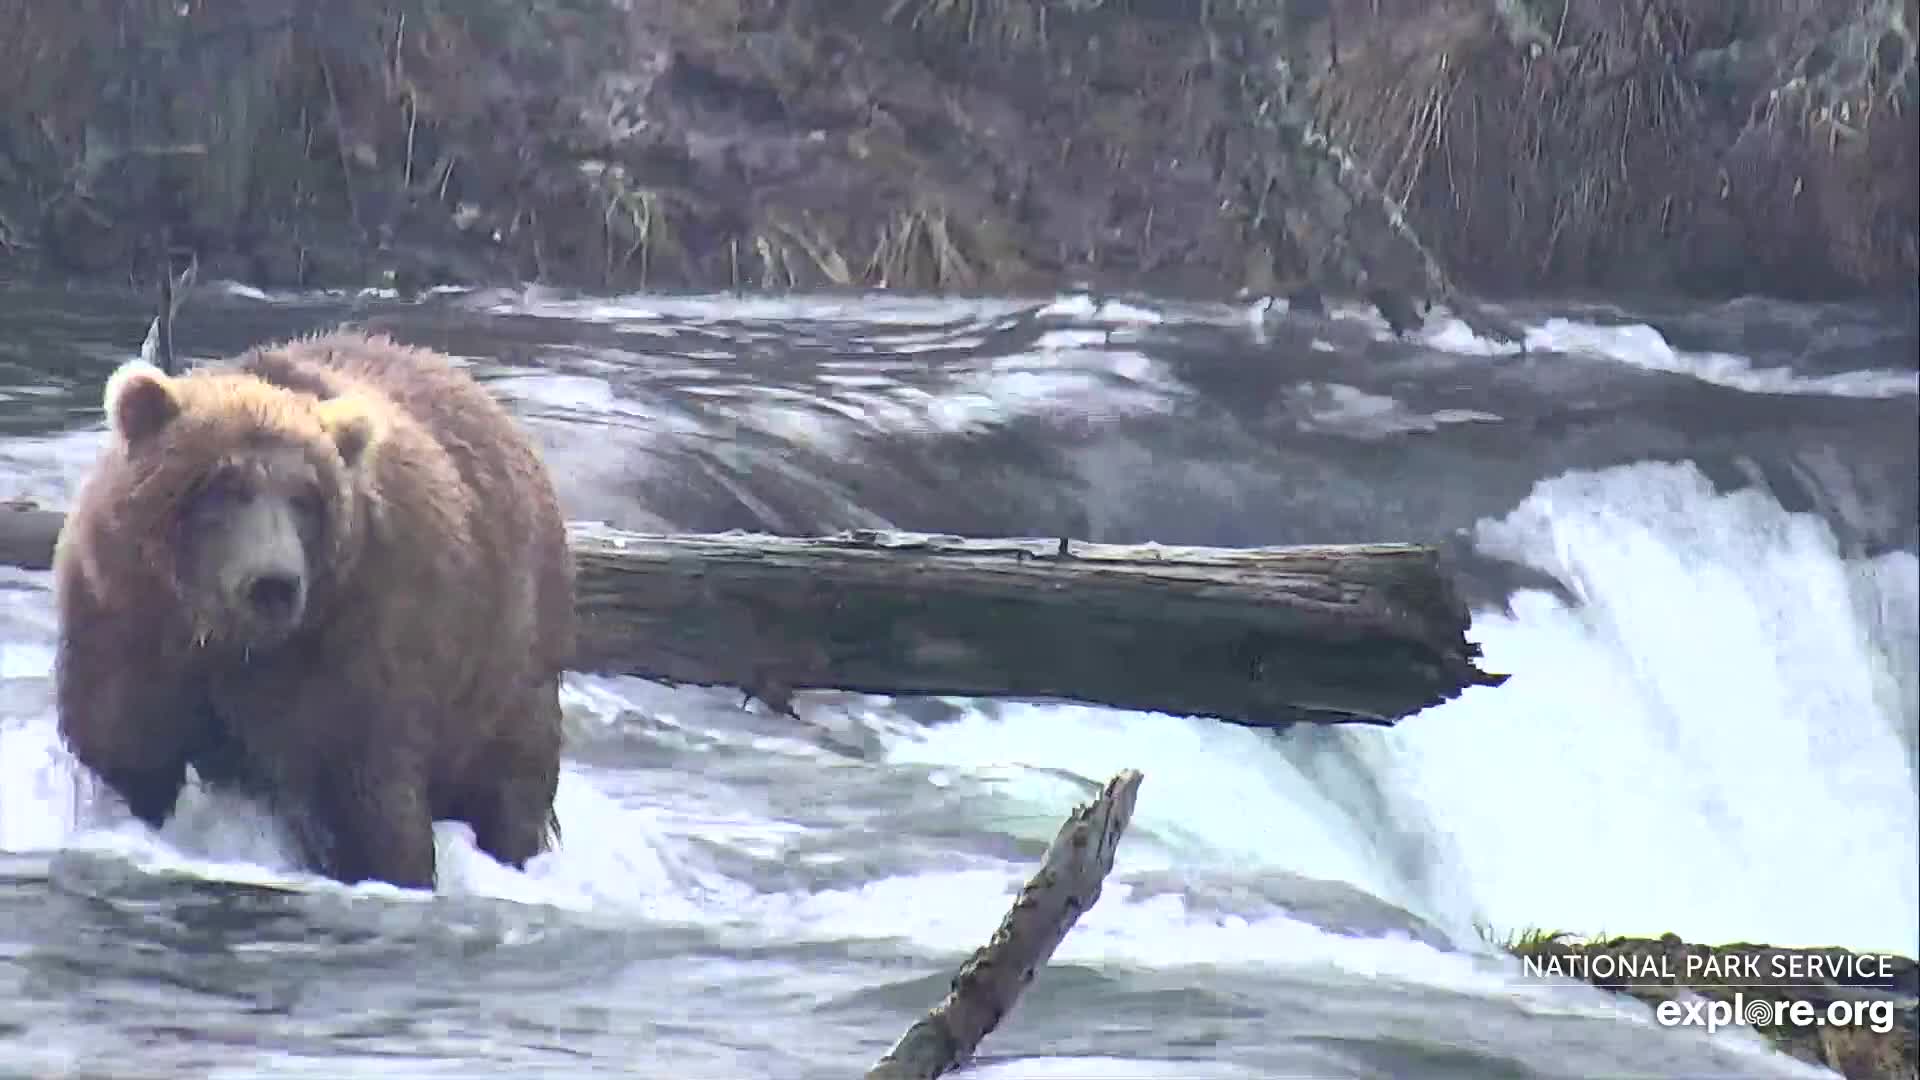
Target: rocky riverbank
column 1187, row 146
column 1666, row 969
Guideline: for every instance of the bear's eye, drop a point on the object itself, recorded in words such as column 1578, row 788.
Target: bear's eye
column 309, row 505
column 219, row 492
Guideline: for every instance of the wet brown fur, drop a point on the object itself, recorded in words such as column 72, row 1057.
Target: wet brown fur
column 423, row 684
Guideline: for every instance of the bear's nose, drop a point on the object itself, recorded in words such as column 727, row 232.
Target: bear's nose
column 274, row 596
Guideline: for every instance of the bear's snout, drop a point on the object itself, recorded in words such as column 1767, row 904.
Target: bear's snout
column 276, row 598
column 255, row 556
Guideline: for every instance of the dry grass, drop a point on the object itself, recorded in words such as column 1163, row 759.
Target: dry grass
column 1857, row 1052
column 1576, row 133
column 1570, row 154
column 1010, row 23
column 634, row 226
column 918, row 249
column 798, row 253
column 1531, row 941
column 1832, row 162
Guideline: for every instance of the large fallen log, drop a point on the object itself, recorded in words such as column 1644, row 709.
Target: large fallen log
column 1261, row 637
column 1063, row 889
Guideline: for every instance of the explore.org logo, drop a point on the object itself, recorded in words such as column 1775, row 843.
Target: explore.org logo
column 1876, row 1016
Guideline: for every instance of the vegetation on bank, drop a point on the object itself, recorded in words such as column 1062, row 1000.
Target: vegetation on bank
column 1660, row 969
column 1195, row 146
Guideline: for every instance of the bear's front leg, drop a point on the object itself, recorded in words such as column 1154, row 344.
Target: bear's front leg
column 342, row 768
column 150, row 794
column 365, row 822
column 123, row 718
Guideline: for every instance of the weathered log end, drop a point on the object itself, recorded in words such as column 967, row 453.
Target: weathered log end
column 28, row 535
column 1066, row 886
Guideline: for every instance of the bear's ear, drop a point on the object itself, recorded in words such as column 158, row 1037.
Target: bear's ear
column 353, row 425
column 139, row 400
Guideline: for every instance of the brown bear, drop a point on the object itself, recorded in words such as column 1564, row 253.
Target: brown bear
column 332, row 573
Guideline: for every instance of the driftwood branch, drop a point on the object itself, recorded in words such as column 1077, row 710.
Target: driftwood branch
column 1261, row 637
column 1064, row 888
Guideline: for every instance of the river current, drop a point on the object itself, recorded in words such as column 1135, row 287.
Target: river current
column 1688, row 532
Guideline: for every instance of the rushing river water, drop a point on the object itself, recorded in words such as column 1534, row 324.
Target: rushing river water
column 1690, row 533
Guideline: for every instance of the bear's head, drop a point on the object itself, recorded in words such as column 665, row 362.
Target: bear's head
column 246, row 497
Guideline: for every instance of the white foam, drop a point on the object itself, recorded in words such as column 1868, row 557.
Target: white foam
column 1349, row 410
column 1453, row 335
column 242, row 291
column 1082, row 307
column 1635, row 344
column 1883, row 591
column 1704, row 746
column 47, row 470
column 1068, row 373
column 1219, row 794
column 1083, row 1068
column 39, row 796
column 953, row 912
column 613, row 857
column 1090, row 385
column 1643, row 346
column 624, row 857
